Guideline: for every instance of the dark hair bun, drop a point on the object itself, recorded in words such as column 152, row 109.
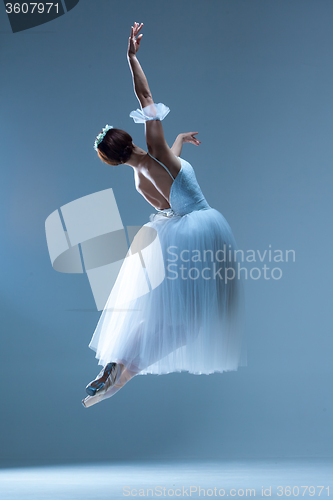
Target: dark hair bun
column 116, row 147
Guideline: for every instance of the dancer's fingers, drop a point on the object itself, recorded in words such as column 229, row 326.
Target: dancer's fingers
column 137, row 28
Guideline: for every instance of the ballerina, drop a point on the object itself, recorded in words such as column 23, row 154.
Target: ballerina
column 190, row 319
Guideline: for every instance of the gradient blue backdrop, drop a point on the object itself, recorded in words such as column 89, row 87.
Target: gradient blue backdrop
column 255, row 79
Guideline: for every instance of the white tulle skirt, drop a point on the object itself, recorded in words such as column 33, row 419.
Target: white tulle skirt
column 177, row 302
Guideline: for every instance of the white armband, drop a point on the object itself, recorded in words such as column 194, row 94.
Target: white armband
column 151, row 112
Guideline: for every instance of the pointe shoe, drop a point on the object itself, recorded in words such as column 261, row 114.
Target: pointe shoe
column 104, row 380
column 123, row 378
column 92, row 400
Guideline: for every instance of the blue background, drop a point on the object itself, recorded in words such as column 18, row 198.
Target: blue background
column 255, row 79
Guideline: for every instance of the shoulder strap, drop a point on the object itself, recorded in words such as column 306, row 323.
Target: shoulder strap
column 161, row 164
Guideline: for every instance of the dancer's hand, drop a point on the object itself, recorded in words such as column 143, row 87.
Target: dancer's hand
column 189, row 137
column 134, row 40
column 181, row 139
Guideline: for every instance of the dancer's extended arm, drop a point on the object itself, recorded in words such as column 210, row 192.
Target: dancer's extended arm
column 140, row 83
column 155, row 139
column 181, row 139
column 156, row 142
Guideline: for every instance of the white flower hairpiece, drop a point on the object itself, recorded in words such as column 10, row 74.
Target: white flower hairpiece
column 101, row 136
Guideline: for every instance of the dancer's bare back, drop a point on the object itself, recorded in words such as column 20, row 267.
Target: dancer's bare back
column 154, row 183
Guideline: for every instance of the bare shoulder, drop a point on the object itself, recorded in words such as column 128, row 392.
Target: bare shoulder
column 166, row 156
column 159, row 148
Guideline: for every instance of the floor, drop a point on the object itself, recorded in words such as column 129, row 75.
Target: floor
column 274, row 478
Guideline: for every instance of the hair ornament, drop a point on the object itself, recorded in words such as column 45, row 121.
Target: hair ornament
column 101, row 136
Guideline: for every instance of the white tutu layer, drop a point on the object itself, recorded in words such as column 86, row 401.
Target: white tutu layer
column 190, row 320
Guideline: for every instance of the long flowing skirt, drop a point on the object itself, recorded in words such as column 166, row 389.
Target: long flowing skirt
column 177, row 304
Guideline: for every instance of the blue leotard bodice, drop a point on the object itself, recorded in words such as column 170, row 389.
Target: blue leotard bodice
column 185, row 194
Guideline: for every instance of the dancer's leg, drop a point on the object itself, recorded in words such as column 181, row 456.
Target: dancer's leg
column 130, row 369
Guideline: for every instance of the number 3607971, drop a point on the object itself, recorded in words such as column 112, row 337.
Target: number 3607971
column 31, row 8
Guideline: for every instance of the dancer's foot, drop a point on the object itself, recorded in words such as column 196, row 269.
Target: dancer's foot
column 123, row 378
column 104, row 380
